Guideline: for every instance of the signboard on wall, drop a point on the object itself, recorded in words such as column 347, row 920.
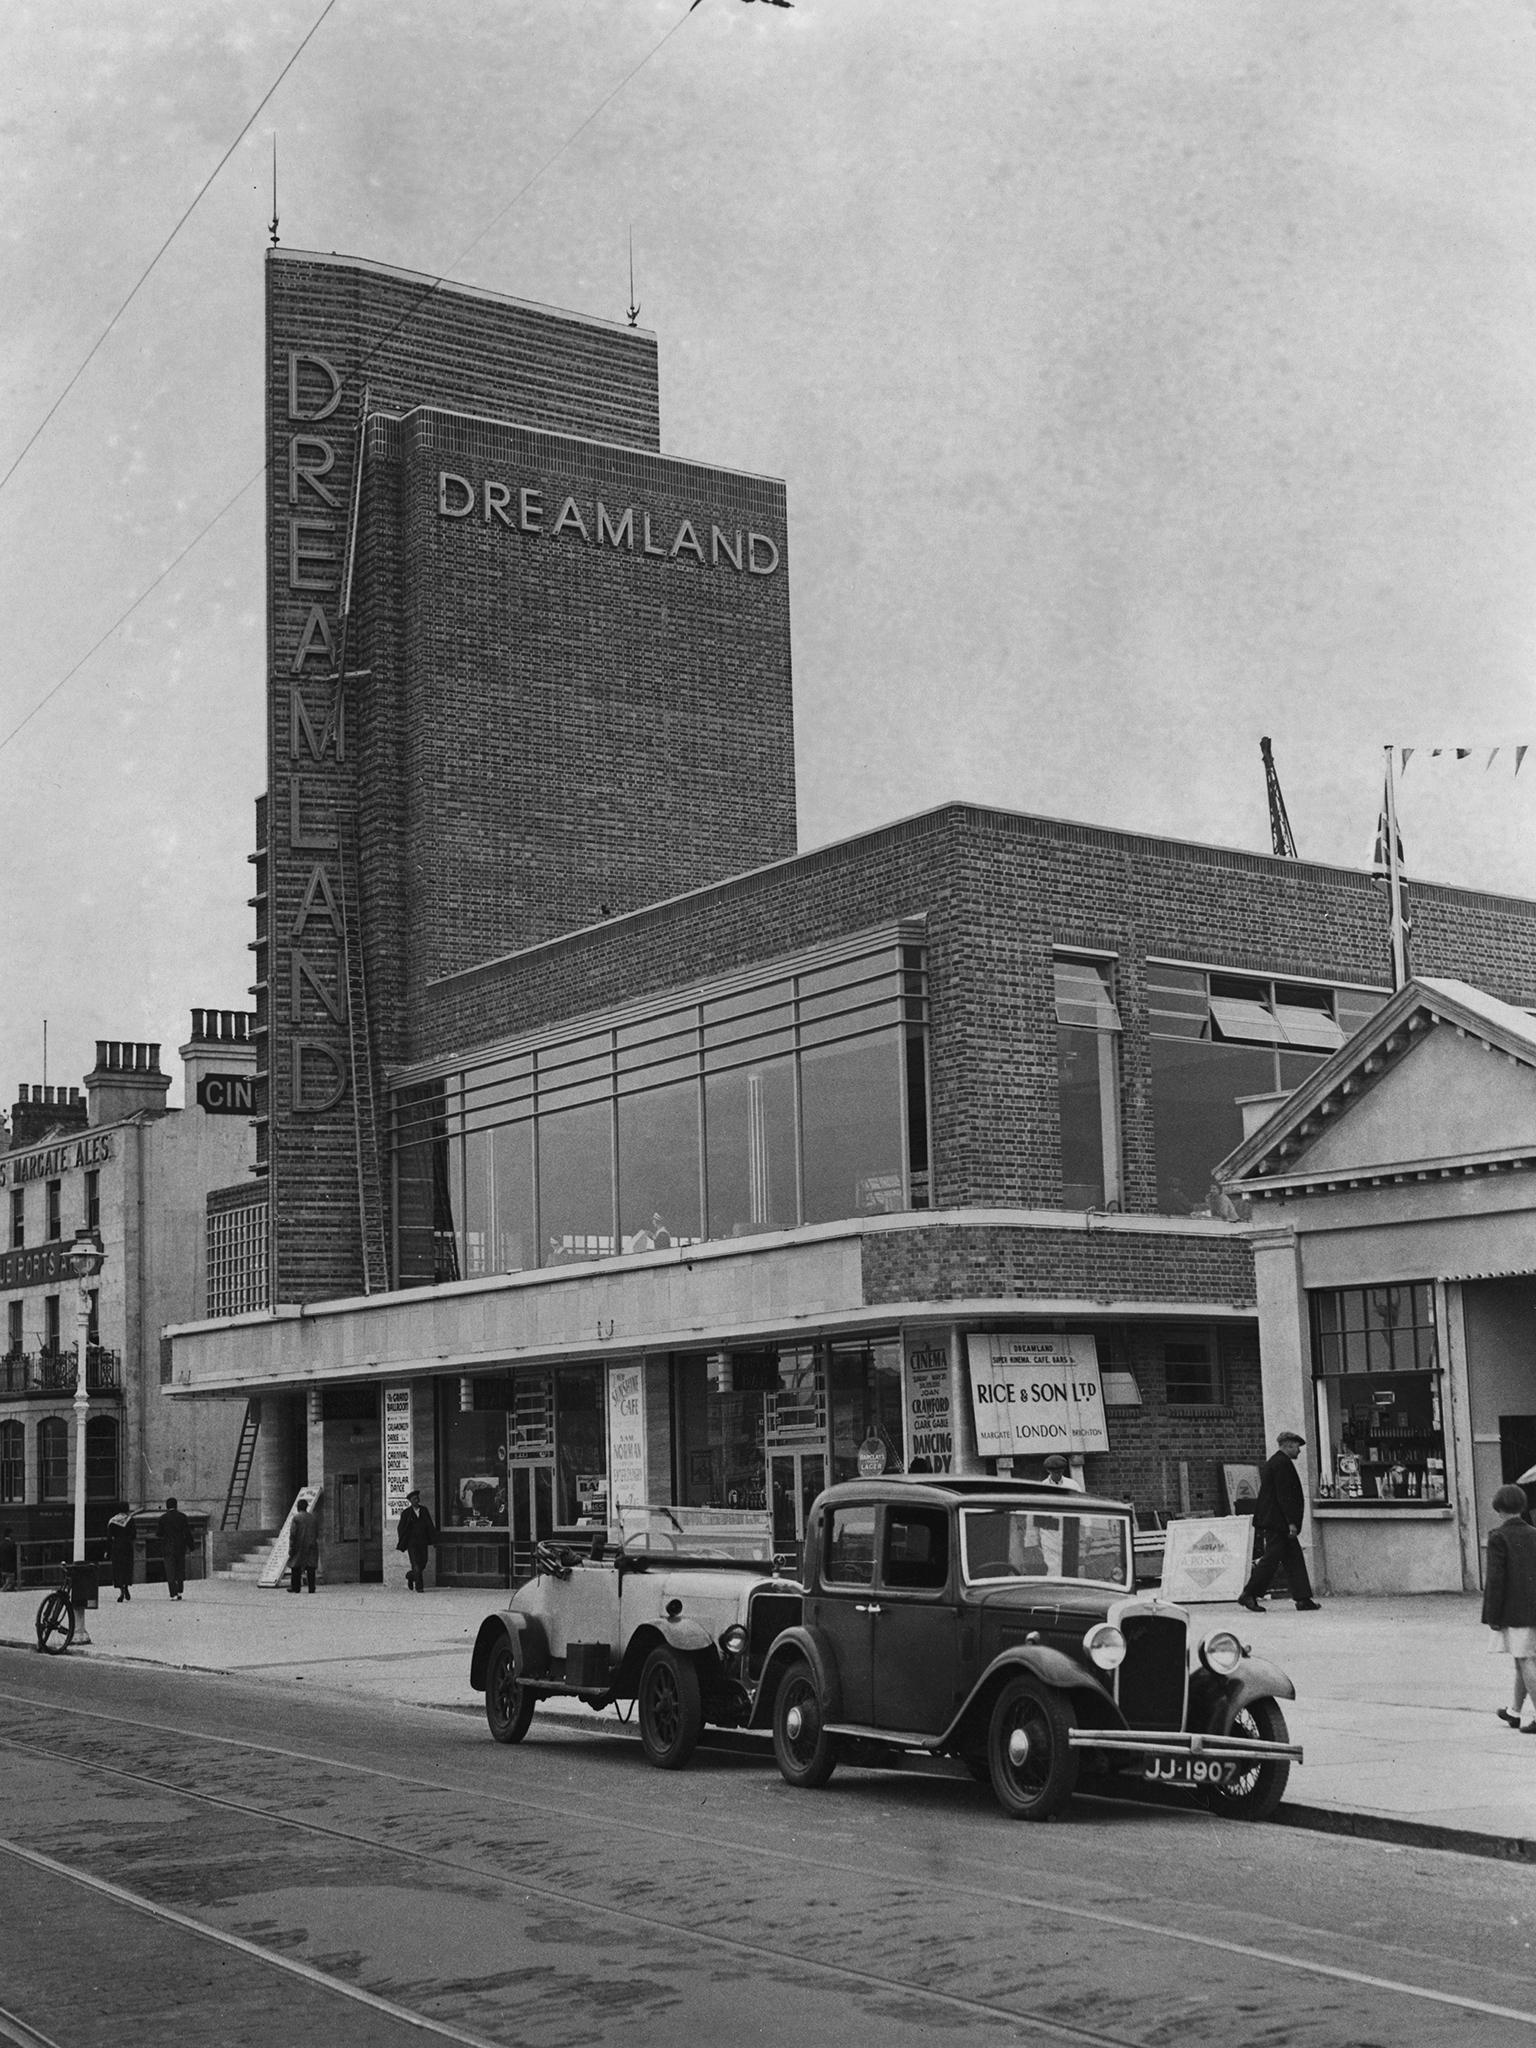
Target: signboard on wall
column 1031, row 1394
column 398, row 1468
column 627, row 1484
column 930, row 1422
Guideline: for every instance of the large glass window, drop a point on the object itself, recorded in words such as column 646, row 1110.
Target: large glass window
column 1376, row 1387
column 53, row 1458
column 1087, row 1026
column 799, row 1098
column 13, row 1462
column 1216, row 1038
column 866, row 1406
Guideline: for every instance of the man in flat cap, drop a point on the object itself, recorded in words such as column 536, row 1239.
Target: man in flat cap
column 1058, row 1472
column 417, row 1532
column 1277, row 1519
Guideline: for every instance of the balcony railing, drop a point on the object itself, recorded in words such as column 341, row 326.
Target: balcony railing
column 44, row 1373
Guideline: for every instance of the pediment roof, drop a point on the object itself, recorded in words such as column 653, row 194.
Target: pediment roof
column 1412, row 1096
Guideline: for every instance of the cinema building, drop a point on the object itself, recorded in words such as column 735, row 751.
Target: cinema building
column 611, row 1148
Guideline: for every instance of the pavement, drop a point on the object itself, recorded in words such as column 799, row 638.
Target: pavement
column 1395, row 1698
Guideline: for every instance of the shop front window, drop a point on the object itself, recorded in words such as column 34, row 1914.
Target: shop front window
column 720, row 1409
column 581, row 1447
column 474, row 1461
column 868, row 1425
column 1377, row 1394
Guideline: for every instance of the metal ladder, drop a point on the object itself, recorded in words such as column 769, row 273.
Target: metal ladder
column 245, row 1457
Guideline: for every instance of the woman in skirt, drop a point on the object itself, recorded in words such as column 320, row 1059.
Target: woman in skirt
column 1509, row 1600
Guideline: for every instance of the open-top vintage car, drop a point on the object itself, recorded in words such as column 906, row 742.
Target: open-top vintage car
column 998, row 1622
column 677, row 1617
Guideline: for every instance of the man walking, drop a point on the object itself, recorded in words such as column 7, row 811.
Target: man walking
column 175, row 1533
column 417, row 1532
column 1277, row 1519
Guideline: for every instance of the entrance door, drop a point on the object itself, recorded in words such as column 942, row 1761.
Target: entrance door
column 794, row 1480
column 531, row 1512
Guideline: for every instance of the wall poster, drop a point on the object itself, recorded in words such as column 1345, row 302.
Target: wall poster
column 1032, row 1393
column 398, row 1467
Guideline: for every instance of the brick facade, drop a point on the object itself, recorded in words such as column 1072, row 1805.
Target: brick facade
column 478, row 733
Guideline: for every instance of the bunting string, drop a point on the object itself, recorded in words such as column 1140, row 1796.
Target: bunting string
column 1460, row 754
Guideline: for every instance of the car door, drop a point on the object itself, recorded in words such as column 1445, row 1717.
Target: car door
column 843, row 1607
column 916, row 1664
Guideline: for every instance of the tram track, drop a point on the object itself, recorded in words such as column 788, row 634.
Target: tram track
column 628, row 1916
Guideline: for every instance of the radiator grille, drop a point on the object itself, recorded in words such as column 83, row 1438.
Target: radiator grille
column 1152, row 1682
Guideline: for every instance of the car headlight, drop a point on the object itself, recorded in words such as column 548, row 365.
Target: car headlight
column 733, row 1640
column 1221, row 1653
column 1106, row 1646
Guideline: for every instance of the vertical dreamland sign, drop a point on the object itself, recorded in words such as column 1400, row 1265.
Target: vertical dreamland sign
column 930, row 1420
column 626, row 1439
column 1033, row 1394
column 397, row 1451
column 311, row 1138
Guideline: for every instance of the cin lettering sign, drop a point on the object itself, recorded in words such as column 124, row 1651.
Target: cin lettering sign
column 227, row 1094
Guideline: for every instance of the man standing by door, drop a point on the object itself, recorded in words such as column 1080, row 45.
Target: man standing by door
column 1277, row 1519
column 417, row 1532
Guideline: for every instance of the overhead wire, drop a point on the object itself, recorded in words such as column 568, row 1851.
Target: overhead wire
column 145, row 274
column 435, row 286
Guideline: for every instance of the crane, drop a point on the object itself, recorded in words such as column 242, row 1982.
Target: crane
column 1279, row 822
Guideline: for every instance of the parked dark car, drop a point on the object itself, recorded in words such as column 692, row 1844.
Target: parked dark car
column 998, row 1622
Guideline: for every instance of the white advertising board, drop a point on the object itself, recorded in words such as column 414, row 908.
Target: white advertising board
column 398, row 1467
column 1031, row 1394
column 1207, row 1560
column 626, row 1438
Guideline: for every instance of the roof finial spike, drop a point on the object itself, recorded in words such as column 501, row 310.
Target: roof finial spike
column 634, row 310
column 272, row 225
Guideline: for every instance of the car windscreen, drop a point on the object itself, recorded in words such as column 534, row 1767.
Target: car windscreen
column 1029, row 1543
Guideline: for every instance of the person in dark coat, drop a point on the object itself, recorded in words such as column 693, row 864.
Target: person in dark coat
column 1509, row 1600
column 418, row 1532
column 120, row 1551
column 303, row 1548
column 10, row 1562
column 175, row 1533
column 1277, row 1518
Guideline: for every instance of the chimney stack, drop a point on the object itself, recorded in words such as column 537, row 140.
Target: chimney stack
column 125, row 1080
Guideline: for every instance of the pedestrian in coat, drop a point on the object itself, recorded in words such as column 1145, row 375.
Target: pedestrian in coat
column 417, row 1532
column 120, row 1551
column 1509, row 1600
column 303, row 1548
column 175, row 1533
column 10, row 1562
column 1278, row 1514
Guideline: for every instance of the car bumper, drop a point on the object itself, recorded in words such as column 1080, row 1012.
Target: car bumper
column 1160, row 1742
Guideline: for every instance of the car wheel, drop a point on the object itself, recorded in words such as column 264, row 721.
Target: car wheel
column 55, row 1624
column 805, row 1752
column 671, row 1709
column 1257, row 1789
column 509, row 1704
column 1032, row 1764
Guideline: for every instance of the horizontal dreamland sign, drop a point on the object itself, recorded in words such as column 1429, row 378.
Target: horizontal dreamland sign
column 531, row 509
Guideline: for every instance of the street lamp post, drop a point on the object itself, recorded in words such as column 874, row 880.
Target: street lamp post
column 86, row 1259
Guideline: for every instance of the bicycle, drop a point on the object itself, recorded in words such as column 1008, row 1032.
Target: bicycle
column 56, row 1618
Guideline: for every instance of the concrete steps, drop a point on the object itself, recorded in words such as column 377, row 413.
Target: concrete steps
column 245, row 1554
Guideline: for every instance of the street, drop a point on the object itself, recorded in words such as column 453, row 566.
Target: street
column 194, row 1857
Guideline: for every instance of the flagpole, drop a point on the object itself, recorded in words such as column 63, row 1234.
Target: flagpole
column 1395, row 885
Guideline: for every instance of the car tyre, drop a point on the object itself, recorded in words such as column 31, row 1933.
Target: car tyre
column 1032, row 1763
column 1258, row 1788
column 671, row 1709
column 55, row 1624
column 509, row 1703
column 806, row 1754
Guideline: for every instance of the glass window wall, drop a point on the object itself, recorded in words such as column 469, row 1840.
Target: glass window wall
column 802, row 1098
column 1216, row 1038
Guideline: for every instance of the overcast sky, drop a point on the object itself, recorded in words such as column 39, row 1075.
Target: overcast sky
column 1145, row 377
